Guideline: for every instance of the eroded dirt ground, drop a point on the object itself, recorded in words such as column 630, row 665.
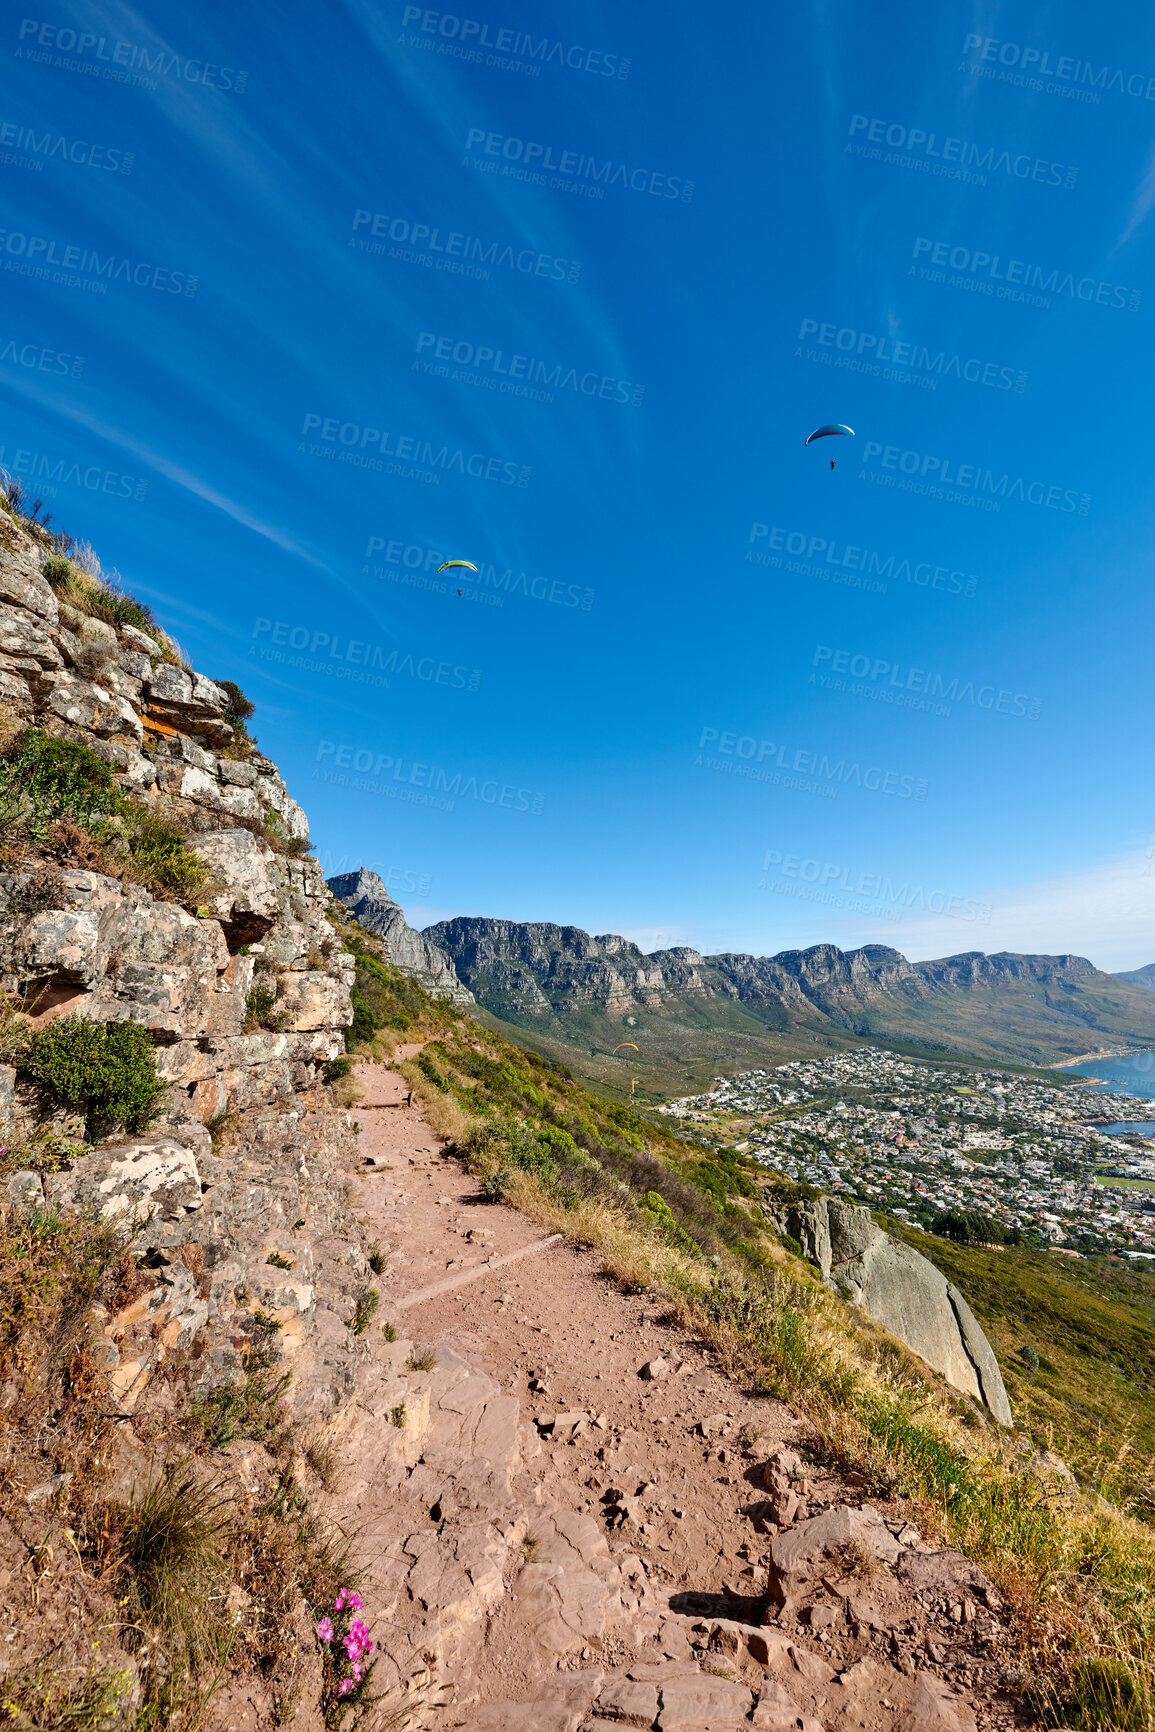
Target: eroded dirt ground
column 555, row 1539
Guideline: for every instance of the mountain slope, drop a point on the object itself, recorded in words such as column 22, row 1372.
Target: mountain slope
column 687, row 1012
column 1144, row 976
column 365, row 896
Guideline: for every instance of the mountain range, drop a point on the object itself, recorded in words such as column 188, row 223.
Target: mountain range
column 577, row 996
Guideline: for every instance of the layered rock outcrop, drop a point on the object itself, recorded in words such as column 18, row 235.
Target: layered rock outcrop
column 902, row 1291
column 80, row 941
column 364, row 894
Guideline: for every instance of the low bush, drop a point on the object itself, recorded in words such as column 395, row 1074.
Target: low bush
column 105, row 1070
column 261, row 1009
column 159, row 857
column 44, row 781
column 58, row 570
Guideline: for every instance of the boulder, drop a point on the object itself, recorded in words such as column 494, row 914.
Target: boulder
column 365, row 896
column 148, row 1175
column 803, row 1556
column 904, row 1292
column 243, row 895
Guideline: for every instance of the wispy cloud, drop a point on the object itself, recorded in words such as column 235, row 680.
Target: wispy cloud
column 1106, row 913
column 1142, row 203
column 178, row 474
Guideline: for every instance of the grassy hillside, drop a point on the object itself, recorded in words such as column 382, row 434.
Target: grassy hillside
column 1091, row 1324
column 1024, row 1020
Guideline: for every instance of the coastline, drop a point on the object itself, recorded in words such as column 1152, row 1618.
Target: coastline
column 1090, row 1057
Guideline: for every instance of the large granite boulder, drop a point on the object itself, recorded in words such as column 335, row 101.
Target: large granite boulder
column 902, row 1291
column 365, row 896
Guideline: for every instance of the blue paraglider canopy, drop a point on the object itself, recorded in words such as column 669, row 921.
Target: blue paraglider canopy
column 831, row 427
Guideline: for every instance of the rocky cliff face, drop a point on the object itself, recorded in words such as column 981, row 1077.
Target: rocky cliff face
column 533, row 969
column 902, row 1291
column 80, row 941
column 364, row 894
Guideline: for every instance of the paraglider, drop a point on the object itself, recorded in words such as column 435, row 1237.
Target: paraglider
column 825, row 431
column 623, row 1043
column 467, row 563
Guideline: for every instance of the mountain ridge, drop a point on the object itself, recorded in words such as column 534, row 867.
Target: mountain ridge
column 561, row 981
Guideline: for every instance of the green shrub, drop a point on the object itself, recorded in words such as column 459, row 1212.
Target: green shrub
column 335, row 1068
column 57, row 569
column 44, row 780
column 117, row 607
column 658, row 1213
column 364, row 1311
column 365, row 1022
column 161, row 859
column 240, row 708
column 261, row 1010
column 106, row 1070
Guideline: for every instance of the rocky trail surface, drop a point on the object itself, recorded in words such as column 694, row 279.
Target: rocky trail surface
column 568, row 1519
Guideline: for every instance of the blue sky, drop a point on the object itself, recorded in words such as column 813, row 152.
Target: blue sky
column 561, row 291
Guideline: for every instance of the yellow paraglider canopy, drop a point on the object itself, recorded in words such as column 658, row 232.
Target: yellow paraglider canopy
column 623, row 1043
column 467, row 563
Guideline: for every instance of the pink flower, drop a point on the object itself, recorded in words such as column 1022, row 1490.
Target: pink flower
column 344, row 1686
column 325, row 1629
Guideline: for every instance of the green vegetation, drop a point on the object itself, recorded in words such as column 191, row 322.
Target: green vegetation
column 172, row 1541
column 80, row 584
column 261, row 1008
column 1076, row 1345
column 969, row 1227
column 106, row 1070
column 364, row 1311
column 59, row 791
column 385, row 999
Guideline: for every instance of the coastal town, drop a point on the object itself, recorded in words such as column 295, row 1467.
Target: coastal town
column 1007, row 1156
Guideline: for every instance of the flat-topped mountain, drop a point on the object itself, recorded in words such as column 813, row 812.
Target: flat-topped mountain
column 595, row 991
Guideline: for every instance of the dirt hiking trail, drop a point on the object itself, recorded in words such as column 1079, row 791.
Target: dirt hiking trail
column 569, row 1520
